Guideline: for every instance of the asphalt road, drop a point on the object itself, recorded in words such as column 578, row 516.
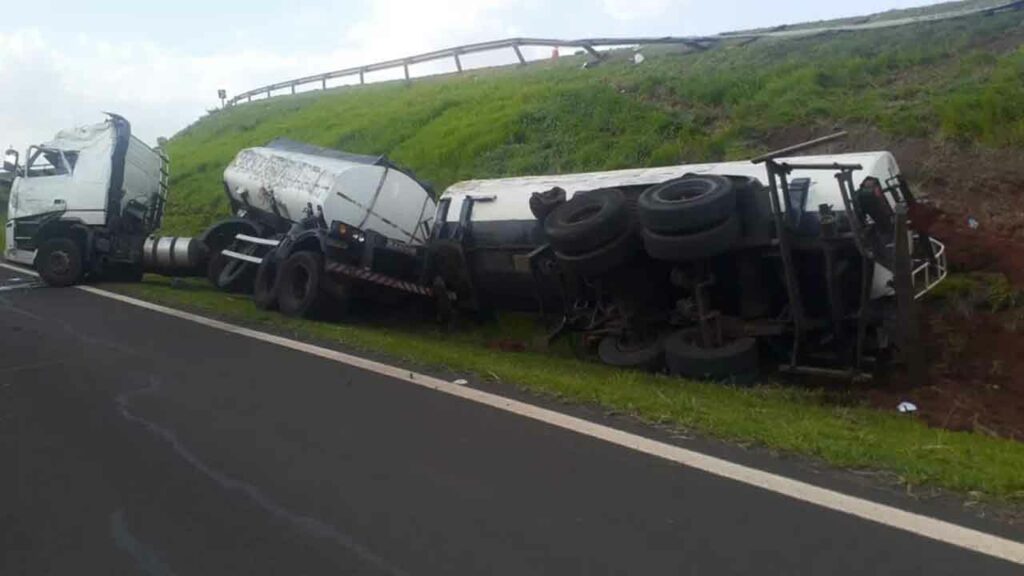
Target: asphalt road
column 133, row 442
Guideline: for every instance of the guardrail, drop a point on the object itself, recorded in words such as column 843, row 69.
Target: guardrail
column 587, row 44
column 590, row 45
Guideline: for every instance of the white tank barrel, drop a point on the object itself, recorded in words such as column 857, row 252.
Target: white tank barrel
column 288, row 178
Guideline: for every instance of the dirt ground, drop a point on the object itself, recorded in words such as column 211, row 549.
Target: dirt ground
column 976, row 355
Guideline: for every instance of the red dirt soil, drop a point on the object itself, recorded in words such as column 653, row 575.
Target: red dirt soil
column 976, row 357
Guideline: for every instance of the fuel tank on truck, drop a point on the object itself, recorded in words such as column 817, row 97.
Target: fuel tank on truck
column 287, row 179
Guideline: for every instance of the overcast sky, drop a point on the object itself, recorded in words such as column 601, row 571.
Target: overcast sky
column 160, row 63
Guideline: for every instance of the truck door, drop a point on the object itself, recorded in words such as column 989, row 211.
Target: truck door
column 47, row 186
column 44, row 184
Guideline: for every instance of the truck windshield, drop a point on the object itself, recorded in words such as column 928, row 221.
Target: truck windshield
column 47, row 162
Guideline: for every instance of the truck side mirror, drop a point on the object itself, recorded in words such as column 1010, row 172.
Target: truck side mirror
column 9, row 164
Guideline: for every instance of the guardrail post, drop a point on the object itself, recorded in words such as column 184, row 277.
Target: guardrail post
column 293, row 89
column 250, row 98
column 405, row 66
column 458, row 63
column 361, row 80
column 323, row 83
column 519, row 54
column 268, row 93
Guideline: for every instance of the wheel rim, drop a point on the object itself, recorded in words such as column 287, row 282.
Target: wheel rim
column 60, row 262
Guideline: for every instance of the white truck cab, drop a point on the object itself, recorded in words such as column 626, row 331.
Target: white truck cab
column 85, row 199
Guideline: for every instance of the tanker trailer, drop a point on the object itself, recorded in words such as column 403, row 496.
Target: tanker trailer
column 313, row 225
column 811, row 263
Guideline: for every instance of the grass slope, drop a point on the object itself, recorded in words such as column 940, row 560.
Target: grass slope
column 959, row 80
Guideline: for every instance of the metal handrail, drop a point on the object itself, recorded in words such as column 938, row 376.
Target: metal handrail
column 588, row 44
column 925, row 269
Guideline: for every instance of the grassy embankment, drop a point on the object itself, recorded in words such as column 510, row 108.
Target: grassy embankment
column 960, row 82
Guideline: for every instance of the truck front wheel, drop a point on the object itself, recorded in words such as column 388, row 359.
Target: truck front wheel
column 59, row 262
column 299, row 291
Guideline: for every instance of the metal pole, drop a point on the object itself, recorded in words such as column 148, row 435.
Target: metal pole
column 903, row 280
column 590, row 50
column 293, row 89
column 268, row 93
column 405, row 66
column 458, row 63
column 789, row 272
column 361, row 81
column 519, row 54
column 323, row 83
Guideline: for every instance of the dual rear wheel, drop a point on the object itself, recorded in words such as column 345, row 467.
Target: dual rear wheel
column 294, row 286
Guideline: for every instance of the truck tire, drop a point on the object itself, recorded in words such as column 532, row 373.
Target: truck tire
column 649, row 355
column 588, row 221
column 742, row 183
column 298, row 284
column 689, row 204
column 735, row 362
column 693, row 246
column 265, row 287
column 604, row 259
column 229, row 274
column 542, row 203
column 59, row 262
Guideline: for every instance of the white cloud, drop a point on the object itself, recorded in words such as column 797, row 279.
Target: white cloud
column 50, row 85
column 52, row 82
column 639, row 9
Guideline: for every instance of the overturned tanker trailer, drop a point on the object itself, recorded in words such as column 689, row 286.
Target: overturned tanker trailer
column 315, row 226
column 813, row 264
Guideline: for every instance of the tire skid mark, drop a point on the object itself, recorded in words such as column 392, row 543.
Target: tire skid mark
column 145, row 557
column 32, row 366
column 10, row 306
column 25, row 286
column 307, row 524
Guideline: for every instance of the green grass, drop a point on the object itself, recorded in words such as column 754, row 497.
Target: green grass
column 959, row 83
column 800, row 421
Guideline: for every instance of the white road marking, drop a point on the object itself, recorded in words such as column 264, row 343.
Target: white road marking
column 893, row 517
